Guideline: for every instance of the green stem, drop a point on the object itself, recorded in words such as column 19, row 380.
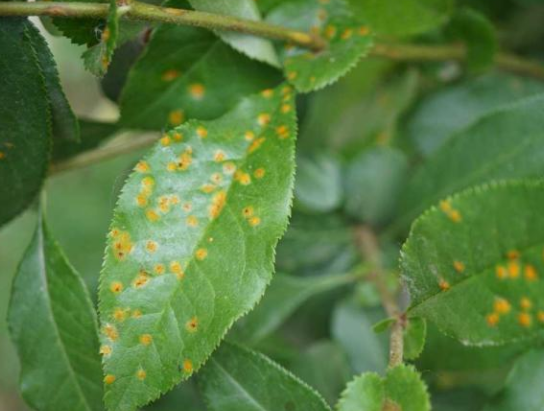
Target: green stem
column 135, row 10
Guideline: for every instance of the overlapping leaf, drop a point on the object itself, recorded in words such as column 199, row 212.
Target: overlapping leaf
column 25, row 130
column 53, row 325
column 348, row 39
column 236, row 379
column 192, row 243
column 474, row 264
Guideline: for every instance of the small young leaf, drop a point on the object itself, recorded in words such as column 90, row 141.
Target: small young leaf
column 401, row 389
column 285, row 295
column 506, row 144
column 192, row 244
column 25, row 132
column 236, row 379
column 186, row 73
column 348, row 40
column 474, row 264
column 415, row 333
column 254, row 47
column 53, row 325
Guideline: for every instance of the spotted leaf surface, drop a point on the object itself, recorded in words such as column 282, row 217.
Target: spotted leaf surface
column 236, row 379
column 192, row 244
column 25, row 132
column 188, row 73
column 400, row 389
column 348, row 39
column 474, row 264
column 53, row 326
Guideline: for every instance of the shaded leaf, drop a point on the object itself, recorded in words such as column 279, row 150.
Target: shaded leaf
column 285, row 296
column 348, row 40
column 365, row 392
column 473, row 264
column 81, row 31
column 188, row 73
column 236, row 379
column 508, row 143
column 255, row 47
column 25, row 132
column 415, row 334
column 53, row 325
column 192, row 243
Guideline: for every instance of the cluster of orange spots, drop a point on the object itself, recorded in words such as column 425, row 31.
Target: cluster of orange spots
column 218, row 202
column 105, row 350
column 219, row 156
column 177, row 269
column 110, row 331
column 248, row 213
column 122, row 245
column 503, row 307
column 188, row 366
column 268, row 93
column 146, row 190
column 459, row 266
column 116, row 287
column 192, row 221
column 164, row 204
column 453, row 215
column 146, row 339
column 176, row 117
column 197, row 91
column 282, row 131
column 444, row 285
column 119, row 314
column 109, row 379
column 142, row 167
column 159, row 269
column 202, row 132
column 263, row 119
column 141, row 374
column 259, row 173
column 201, row 254
column 141, row 279
column 170, row 75
column 256, row 145
column 513, row 268
column 192, row 325
column 242, row 177
column 185, row 159
column 229, row 168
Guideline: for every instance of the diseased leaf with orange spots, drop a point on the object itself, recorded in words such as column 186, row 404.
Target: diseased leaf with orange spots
column 191, row 247
column 236, row 379
column 474, row 265
column 53, row 326
column 348, row 39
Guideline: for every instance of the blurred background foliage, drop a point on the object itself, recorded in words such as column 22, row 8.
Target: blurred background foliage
column 359, row 140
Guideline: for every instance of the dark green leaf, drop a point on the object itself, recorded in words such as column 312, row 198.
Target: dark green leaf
column 451, row 109
column 254, row 47
column 285, row 296
column 236, row 379
column 415, row 333
column 25, row 132
column 374, row 180
column 473, row 265
column 192, row 244
column 319, row 183
column 348, row 40
column 188, row 73
column 407, row 17
column 81, row 31
column 508, row 143
column 53, row 325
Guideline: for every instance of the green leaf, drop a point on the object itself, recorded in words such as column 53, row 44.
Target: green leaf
column 64, row 122
column 374, row 180
column 188, row 73
column 415, row 333
column 192, row 244
column 473, row 264
column 401, row 389
column 254, row 47
column 25, row 132
column 407, row 17
column 506, row 144
column 93, row 133
column 53, row 325
column 522, row 389
column 479, row 36
column 98, row 58
column 81, row 31
column 285, row 296
column 348, row 40
column 319, row 183
column 451, row 109
column 236, row 379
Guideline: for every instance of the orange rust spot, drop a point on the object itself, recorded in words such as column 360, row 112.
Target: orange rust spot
column 501, row 306
column 256, row 145
column 525, row 304
column 116, row 287
column 229, row 168
column 177, row 136
column 136, row 314
column 513, row 269
column 159, row 269
column 286, row 108
column 267, row 93
column 282, row 131
column 330, row 32
column 201, row 254
column 247, row 211
column 218, row 202
column 192, row 221
column 192, row 325
column 525, row 320
column 165, row 141
column 219, row 156
column 540, row 316
column 263, row 119
column 501, row 272
column 119, row 314
column 146, row 339
column 202, row 132
column 459, row 266
column 364, row 31
column 347, row 34
column 142, row 167
column 249, row 135
column 197, row 91
column 105, row 350
column 109, row 379
column 254, row 221
column 170, row 75
column 444, row 285
column 110, row 331
column 176, row 117
column 492, row 319
column 151, row 246
column 188, row 366
column 259, row 173
column 513, row 254
column 141, row 280
column 530, row 273
column 141, row 374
